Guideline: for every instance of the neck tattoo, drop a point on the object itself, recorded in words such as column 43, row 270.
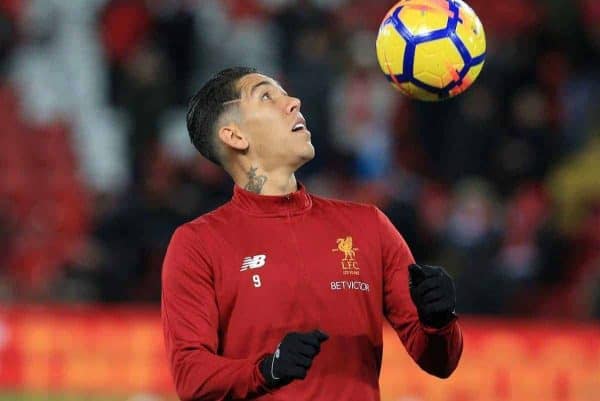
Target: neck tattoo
column 255, row 183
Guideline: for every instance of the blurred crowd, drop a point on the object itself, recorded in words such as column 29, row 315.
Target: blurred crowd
column 500, row 185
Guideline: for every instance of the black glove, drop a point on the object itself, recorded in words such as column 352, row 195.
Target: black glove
column 432, row 292
column 292, row 358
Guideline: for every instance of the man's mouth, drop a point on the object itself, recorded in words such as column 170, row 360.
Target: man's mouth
column 298, row 127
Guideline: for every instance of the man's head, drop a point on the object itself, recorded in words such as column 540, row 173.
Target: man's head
column 242, row 113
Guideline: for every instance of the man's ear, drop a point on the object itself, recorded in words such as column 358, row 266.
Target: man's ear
column 231, row 136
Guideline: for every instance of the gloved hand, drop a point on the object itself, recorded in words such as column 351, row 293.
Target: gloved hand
column 432, row 291
column 292, row 358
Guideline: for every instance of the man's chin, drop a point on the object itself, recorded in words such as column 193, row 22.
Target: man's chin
column 305, row 157
column 309, row 154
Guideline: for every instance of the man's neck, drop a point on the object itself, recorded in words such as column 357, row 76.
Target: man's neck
column 256, row 180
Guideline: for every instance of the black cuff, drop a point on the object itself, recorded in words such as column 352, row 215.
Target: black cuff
column 265, row 370
column 438, row 320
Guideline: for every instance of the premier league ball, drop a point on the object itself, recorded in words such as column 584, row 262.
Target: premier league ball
column 431, row 49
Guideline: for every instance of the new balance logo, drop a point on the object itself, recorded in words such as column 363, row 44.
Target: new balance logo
column 253, row 262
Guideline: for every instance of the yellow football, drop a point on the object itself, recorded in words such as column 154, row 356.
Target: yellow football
column 431, row 49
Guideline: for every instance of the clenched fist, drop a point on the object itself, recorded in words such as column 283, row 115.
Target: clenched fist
column 432, row 291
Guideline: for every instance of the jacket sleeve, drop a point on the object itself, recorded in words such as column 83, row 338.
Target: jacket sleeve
column 191, row 326
column 437, row 351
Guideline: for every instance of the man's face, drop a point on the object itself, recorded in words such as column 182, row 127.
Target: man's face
column 272, row 122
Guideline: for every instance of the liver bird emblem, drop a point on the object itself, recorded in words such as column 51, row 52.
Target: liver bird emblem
column 345, row 245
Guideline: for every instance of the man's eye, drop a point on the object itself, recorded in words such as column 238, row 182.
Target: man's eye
column 266, row 96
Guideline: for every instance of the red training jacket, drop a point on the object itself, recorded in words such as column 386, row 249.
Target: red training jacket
column 237, row 279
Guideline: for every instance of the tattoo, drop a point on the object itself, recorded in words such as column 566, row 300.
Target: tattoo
column 255, row 182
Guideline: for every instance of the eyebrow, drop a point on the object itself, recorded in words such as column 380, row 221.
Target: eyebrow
column 261, row 83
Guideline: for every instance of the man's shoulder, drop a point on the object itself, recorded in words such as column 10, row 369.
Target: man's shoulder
column 205, row 223
column 333, row 204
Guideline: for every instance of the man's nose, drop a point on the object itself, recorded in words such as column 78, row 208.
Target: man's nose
column 293, row 104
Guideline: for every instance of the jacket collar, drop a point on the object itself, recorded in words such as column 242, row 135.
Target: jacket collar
column 294, row 203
